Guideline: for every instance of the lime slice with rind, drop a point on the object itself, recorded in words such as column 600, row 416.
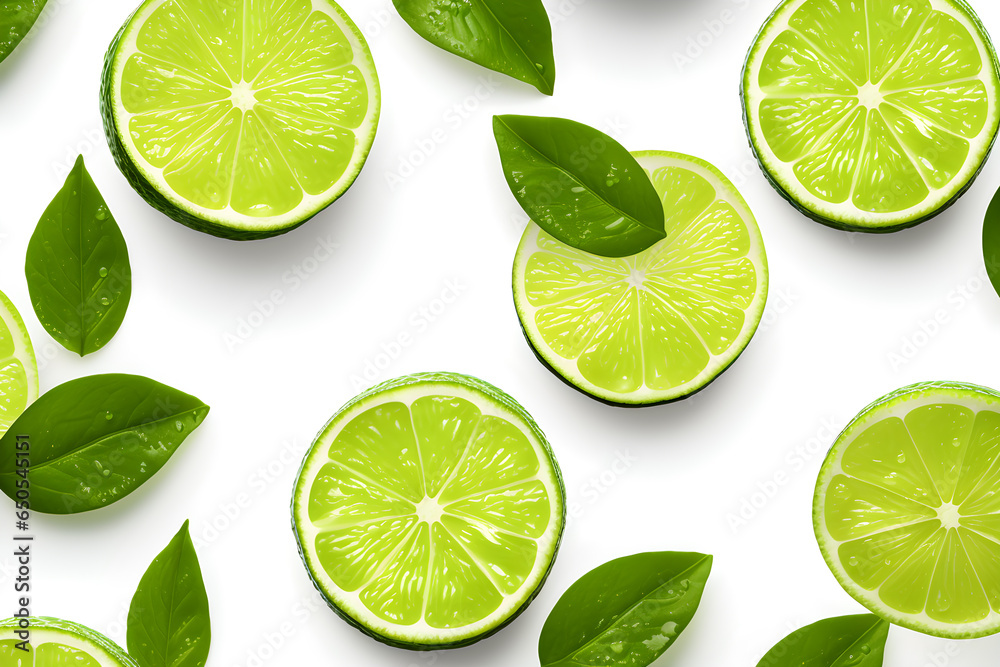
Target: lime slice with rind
column 660, row 325
column 871, row 116
column 429, row 511
column 907, row 509
column 18, row 369
column 58, row 643
column 240, row 118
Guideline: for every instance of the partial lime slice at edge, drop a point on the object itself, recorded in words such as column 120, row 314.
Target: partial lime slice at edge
column 905, row 511
column 55, row 641
column 18, row 368
column 249, row 130
column 878, row 120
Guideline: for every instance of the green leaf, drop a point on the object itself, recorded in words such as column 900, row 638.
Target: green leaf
column 991, row 241
column 512, row 37
column 79, row 276
column 95, row 440
column 16, row 19
column 579, row 185
column 845, row 641
column 168, row 620
column 626, row 612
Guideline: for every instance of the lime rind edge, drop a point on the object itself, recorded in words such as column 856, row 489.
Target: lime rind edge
column 870, row 413
column 83, row 634
column 209, row 222
column 400, row 640
column 888, row 225
column 646, row 397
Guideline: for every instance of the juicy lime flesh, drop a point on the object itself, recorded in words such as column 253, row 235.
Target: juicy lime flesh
column 246, row 104
column 915, row 511
column 49, row 654
column 429, row 511
column 657, row 319
column 873, row 103
column 14, row 382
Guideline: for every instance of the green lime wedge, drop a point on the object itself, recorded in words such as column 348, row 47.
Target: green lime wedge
column 240, row 118
column 429, row 511
column 58, row 643
column 657, row 326
column 18, row 370
column 907, row 509
column 871, row 116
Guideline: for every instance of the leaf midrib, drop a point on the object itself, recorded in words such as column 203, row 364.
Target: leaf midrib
column 597, row 195
column 531, row 64
column 570, row 656
column 79, row 223
column 95, row 443
column 170, row 608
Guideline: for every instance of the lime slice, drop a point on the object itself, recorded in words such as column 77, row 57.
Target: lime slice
column 240, row 118
column 871, row 116
column 18, row 370
column 429, row 511
column 907, row 512
column 660, row 325
column 57, row 643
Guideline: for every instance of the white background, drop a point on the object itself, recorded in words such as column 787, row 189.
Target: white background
column 840, row 306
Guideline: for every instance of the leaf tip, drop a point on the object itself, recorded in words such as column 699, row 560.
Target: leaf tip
column 547, row 86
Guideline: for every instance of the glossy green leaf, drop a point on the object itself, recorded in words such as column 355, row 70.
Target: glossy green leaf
column 512, row 37
column 16, row 19
column 845, row 641
column 168, row 620
column 79, row 276
column 579, row 185
column 991, row 241
column 97, row 439
column 627, row 612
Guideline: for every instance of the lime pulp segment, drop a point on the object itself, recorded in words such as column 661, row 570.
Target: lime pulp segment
column 872, row 115
column 57, row 643
column 18, row 370
column 907, row 509
column 429, row 511
column 240, row 117
column 656, row 326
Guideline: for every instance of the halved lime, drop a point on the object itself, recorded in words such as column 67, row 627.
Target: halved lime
column 907, row 509
column 660, row 325
column 18, row 370
column 871, row 115
column 429, row 511
column 240, row 118
column 58, row 643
